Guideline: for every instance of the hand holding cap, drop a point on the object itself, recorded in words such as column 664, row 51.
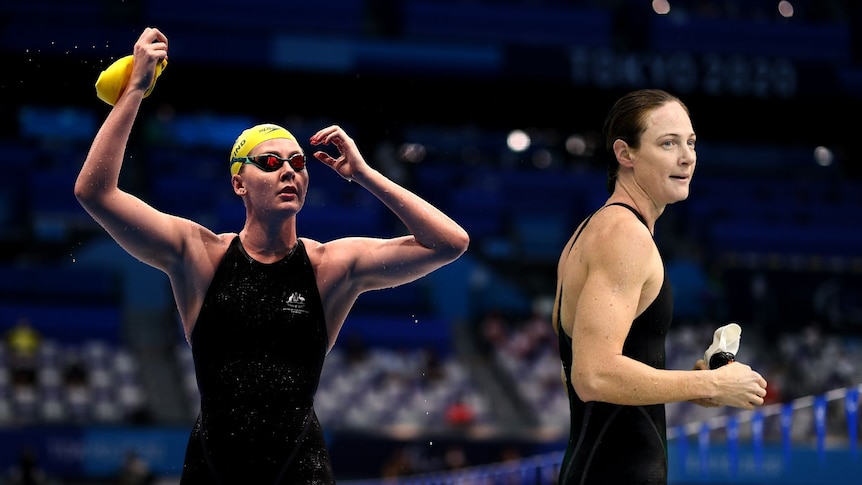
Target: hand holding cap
column 113, row 80
column 725, row 345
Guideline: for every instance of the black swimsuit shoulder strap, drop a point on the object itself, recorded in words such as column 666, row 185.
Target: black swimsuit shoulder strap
column 578, row 233
column 574, row 239
column 581, row 229
column 634, row 211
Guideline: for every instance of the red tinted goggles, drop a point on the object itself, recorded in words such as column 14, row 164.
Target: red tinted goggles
column 270, row 163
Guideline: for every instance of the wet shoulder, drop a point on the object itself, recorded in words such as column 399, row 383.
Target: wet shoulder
column 617, row 227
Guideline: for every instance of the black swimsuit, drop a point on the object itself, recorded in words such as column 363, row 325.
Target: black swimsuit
column 615, row 444
column 259, row 346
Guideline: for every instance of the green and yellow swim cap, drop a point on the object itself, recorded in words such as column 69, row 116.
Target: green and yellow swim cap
column 253, row 137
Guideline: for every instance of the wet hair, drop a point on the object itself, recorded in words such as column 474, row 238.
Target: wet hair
column 626, row 121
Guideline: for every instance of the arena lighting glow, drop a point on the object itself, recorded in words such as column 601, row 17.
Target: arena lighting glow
column 823, row 156
column 412, row 152
column 518, row 140
column 576, row 144
column 785, row 8
column 542, row 158
column 661, row 7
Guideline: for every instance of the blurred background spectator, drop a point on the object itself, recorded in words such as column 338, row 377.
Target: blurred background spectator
column 22, row 349
column 135, row 471
column 26, row 470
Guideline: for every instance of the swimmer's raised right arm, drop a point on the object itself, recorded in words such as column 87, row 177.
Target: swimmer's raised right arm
column 154, row 237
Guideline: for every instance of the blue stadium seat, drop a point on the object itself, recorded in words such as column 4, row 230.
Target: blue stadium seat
column 498, row 23
column 797, row 41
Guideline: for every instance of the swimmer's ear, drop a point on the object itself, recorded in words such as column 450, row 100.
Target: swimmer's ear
column 238, row 185
column 623, row 152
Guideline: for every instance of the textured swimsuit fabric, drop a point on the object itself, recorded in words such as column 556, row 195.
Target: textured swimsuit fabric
column 615, row 444
column 259, row 345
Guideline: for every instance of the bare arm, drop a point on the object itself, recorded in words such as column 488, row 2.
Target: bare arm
column 434, row 240
column 151, row 236
column 619, row 270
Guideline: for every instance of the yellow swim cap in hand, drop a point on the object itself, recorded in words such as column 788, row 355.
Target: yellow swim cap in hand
column 112, row 81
